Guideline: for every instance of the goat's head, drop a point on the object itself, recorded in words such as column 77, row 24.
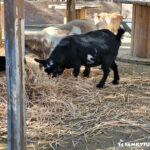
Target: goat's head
column 51, row 67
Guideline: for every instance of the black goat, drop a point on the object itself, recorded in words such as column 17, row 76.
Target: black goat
column 99, row 47
column 2, row 63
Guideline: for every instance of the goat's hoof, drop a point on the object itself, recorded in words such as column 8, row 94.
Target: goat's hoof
column 115, row 82
column 85, row 74
column 99, row 86
column 76, row 76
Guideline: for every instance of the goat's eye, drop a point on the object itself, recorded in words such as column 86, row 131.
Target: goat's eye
column 47, row 66
column 51, row 62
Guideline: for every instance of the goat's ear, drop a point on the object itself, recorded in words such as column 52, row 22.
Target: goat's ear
column 43, row 62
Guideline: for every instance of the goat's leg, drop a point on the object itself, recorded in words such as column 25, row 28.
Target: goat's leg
column 116, row 75
column 60, row 71
column 54, row 74
column 76, row 69
column 86, row 71
column 105, row 75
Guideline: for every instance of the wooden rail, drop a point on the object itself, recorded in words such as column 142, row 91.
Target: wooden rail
column 74, row 11
column 141, row 2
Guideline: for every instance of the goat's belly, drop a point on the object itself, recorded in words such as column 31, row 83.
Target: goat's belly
column 92, row 64
column 68, row 66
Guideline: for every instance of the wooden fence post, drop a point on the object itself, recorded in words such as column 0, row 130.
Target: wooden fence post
column 14, row 50
column 71, row 12
column 140, row 30
column 2, row 20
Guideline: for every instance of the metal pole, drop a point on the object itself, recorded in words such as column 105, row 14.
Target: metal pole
column 14, row 50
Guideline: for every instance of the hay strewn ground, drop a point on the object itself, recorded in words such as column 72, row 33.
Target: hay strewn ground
column 65, row 108
column 69, row 114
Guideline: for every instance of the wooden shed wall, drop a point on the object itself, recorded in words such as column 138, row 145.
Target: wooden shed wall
column 141, row 31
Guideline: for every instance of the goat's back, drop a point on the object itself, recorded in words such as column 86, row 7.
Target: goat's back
column 103, row 40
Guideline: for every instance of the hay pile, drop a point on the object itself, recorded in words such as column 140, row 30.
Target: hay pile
column 66, row 108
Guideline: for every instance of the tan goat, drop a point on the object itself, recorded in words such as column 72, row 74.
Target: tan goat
column 111, row 20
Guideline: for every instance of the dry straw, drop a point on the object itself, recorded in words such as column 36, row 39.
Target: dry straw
column 64, row 108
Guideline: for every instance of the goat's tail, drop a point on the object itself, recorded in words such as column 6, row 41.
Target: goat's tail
column 120, row 33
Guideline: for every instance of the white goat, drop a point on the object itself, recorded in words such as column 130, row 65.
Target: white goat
column 55, row 34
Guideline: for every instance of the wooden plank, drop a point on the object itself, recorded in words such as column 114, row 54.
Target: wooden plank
column 141, row 2
column 133, row 61
column 133, row 30
column 70, row 12
column 14, row 49
column 83, row 13
column 148, row 44
column 74, row 11
column 141, row 31
column 77, row 14
column 78, row 6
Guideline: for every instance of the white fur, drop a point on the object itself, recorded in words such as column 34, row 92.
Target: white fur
column 75, row 30
column 47, row 66
column 55, row 34
column 89, row 59
column 95, row 51
column 50, row 64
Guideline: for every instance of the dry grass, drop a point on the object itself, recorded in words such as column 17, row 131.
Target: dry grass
column 63, row 108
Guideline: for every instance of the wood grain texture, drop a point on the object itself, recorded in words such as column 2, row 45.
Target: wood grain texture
column 141, row 2
column 70, row 12
column 140, row 31
column 14, row 50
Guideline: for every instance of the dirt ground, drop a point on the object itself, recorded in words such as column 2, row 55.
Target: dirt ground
column 110, row 119
column 108, row 139
column 123, row 115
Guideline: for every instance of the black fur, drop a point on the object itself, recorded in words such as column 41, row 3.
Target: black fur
column 99, row 47
column 2, row 63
